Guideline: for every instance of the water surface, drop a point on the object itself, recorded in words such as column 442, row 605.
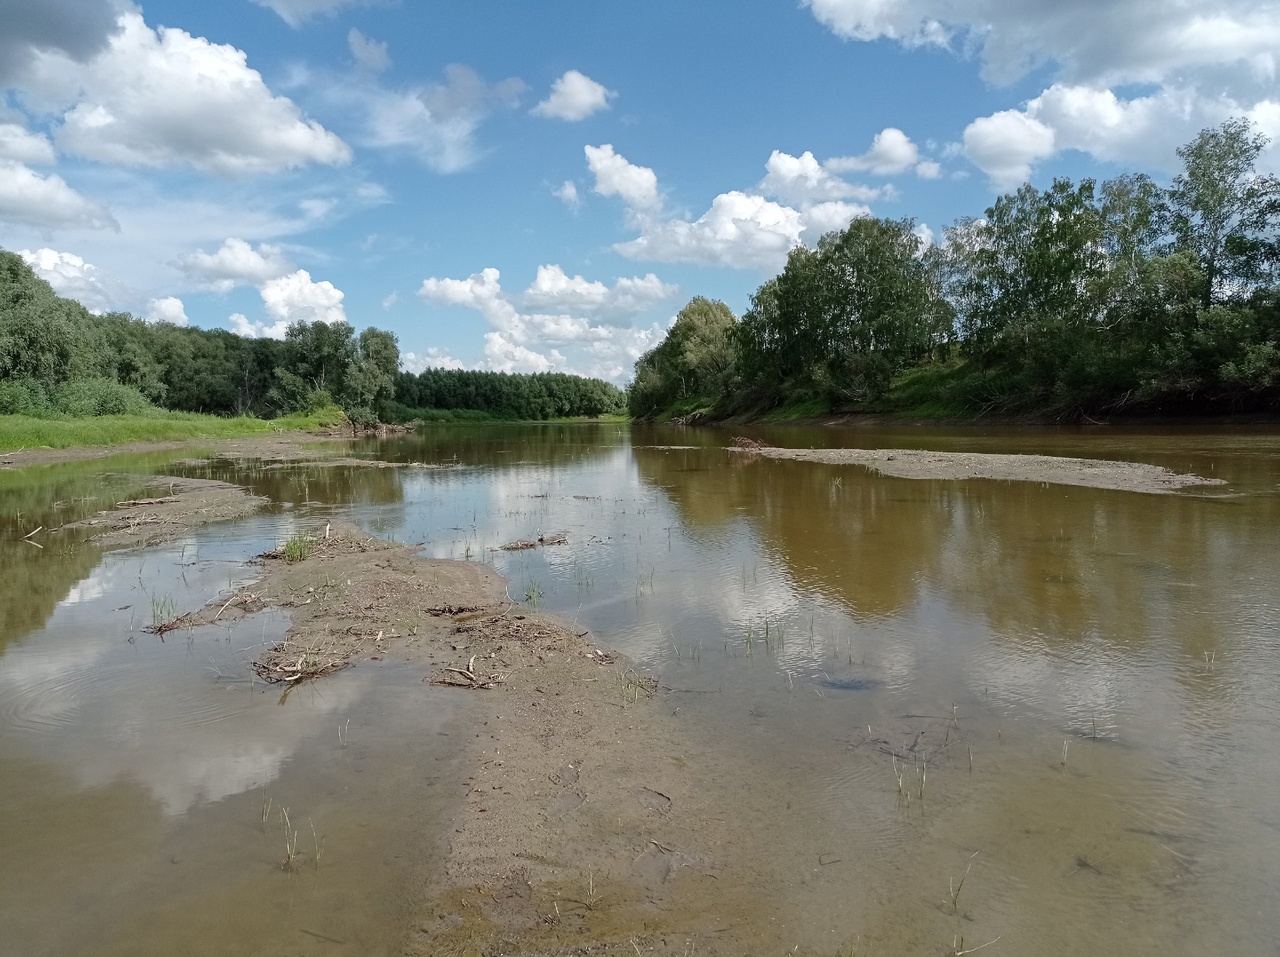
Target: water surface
column 1077, row 685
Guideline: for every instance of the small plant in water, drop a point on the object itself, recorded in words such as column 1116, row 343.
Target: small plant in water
column 956, row 888
column 163, row 609
column 533, row 594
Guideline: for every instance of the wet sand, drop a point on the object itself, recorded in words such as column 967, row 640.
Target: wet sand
column 1045, row 469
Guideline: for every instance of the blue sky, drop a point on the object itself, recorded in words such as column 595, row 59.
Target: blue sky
column 541, row 186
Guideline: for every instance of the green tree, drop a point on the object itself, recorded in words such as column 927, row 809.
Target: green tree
column 691, row 362
column 1223, row 210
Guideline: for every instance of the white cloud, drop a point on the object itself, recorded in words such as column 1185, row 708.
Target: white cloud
column 567, row 193
column 891, row 152
column 928, row 169
column 739, row 230
column 829, row 217
column 439, row 122
column 923, row 233
column 390, row 300
column 23, row 147
column 1144, row 129
column 553, row 289
column 72, row 277
column 503, row 355
column 296, row 298
column 433, row 358
column 167, row 309
column 236, row 263
column 802, row 180
column 166, row 98
column 532, row 341
column 1140, row 41
column 46, row 202
column 1006, row 145
column 637, row 186
column 297, row 12
column 369, row 54
column 574, row 97
column 242, row 326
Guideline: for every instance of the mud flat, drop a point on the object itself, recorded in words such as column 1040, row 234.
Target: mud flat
column 1045, row 469
column 170, row 508
column 276, row 446
column 586, row 820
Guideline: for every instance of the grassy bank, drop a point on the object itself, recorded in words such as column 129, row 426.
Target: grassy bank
column 26, row 432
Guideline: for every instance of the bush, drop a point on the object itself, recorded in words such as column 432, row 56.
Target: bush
column 91, row 397
column 24, row 397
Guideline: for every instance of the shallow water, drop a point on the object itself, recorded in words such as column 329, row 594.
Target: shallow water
column 1095, row 674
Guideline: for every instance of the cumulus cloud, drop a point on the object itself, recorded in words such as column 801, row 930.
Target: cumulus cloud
column 167, row 98
column 574, row 97
column 891, row 152
column 242, row 325
column 167, row 309
column 802, row 180
column 578, row 320
column 438, row 122
column 1006, row 145
column 369, row 54
column 503, row 355
column 46, row 202
column 77, row 28
column 296, row 298
column 297, row 12
column 432, row 358
column 21, row 146
column 740, row 230
column 1140, row 41
column 553, row 289
column 1206, row 62
column 637, row 186
column 235, row 263
column 72, row 277
column 567, row 193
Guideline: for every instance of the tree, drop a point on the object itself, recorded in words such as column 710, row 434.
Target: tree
column 1222, row 209
column 690, row 363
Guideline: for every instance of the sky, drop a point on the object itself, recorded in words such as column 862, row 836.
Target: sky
column 531, row 187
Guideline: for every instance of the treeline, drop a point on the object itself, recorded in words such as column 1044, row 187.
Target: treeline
column 59, row 360
column 503, row 395
column 1080, row 298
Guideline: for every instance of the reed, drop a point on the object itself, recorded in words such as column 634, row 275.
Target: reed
column 956, row 888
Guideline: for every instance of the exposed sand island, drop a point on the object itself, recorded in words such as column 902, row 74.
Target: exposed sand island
column 1049, row 469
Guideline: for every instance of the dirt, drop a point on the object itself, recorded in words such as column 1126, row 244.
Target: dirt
column 175, row 507
column 1046, row 469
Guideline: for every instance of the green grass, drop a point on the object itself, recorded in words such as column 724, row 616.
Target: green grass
column 25, row 432
column 298, row 548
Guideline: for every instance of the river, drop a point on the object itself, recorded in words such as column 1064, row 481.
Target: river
column 946, row 713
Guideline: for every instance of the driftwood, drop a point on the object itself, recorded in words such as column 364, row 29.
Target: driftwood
column 523, row 543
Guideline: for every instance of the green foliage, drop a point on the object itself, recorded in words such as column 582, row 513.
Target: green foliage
column 499, row 395
column 689, row 366
column 1068, row 300
column 843, row 319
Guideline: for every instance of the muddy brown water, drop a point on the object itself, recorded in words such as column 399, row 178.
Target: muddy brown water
column 1068, row 699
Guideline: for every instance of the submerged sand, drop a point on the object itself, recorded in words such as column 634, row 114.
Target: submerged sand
column 1045, row 469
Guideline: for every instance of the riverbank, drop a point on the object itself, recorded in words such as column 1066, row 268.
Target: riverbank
column 23, row 434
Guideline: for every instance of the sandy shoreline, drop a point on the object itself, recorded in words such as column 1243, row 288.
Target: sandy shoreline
column 1045, row 469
